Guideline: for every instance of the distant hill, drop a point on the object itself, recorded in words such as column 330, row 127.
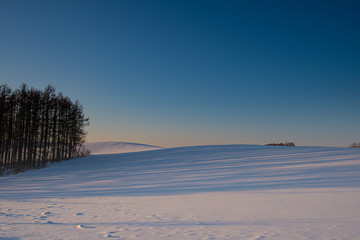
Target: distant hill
column 98, row 148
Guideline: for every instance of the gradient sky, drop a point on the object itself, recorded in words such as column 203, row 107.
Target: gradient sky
column 175, row 73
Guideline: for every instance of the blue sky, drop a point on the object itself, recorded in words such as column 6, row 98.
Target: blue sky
column 175, row 73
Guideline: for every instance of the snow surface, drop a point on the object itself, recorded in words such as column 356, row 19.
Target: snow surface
column 204, row 192
column 98, row 148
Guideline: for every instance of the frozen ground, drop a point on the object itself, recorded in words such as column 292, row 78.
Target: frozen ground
column 204, row 192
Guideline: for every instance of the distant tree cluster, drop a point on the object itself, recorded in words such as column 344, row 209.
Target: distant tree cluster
column 37, row 127
column 355, row 145
column 291, row 144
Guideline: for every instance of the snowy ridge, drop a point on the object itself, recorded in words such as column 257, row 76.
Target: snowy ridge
column 98, row 148
column 203, row 192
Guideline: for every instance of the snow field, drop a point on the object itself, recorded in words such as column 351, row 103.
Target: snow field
column 206, row 192
column 281, row 214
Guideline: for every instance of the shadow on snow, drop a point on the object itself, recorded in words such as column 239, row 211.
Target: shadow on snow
column 190, row 170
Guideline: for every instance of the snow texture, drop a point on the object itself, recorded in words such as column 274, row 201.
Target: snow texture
column 203, row 192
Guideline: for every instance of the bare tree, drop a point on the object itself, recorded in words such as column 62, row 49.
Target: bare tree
column 37, row 127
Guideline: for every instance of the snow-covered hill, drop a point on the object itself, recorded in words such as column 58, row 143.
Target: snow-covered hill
column 202, row 192
column 98, row 148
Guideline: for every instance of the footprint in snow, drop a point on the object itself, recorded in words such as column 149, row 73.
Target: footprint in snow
column 80, row 226
column 45, row 213
column 259, row 237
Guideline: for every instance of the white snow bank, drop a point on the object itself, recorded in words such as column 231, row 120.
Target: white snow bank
column 98, row 148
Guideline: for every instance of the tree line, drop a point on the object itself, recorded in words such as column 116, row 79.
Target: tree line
column 355, row 145
column 291, row 144
column 37, row 127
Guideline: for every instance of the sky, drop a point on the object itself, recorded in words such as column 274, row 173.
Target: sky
column 181, row 73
